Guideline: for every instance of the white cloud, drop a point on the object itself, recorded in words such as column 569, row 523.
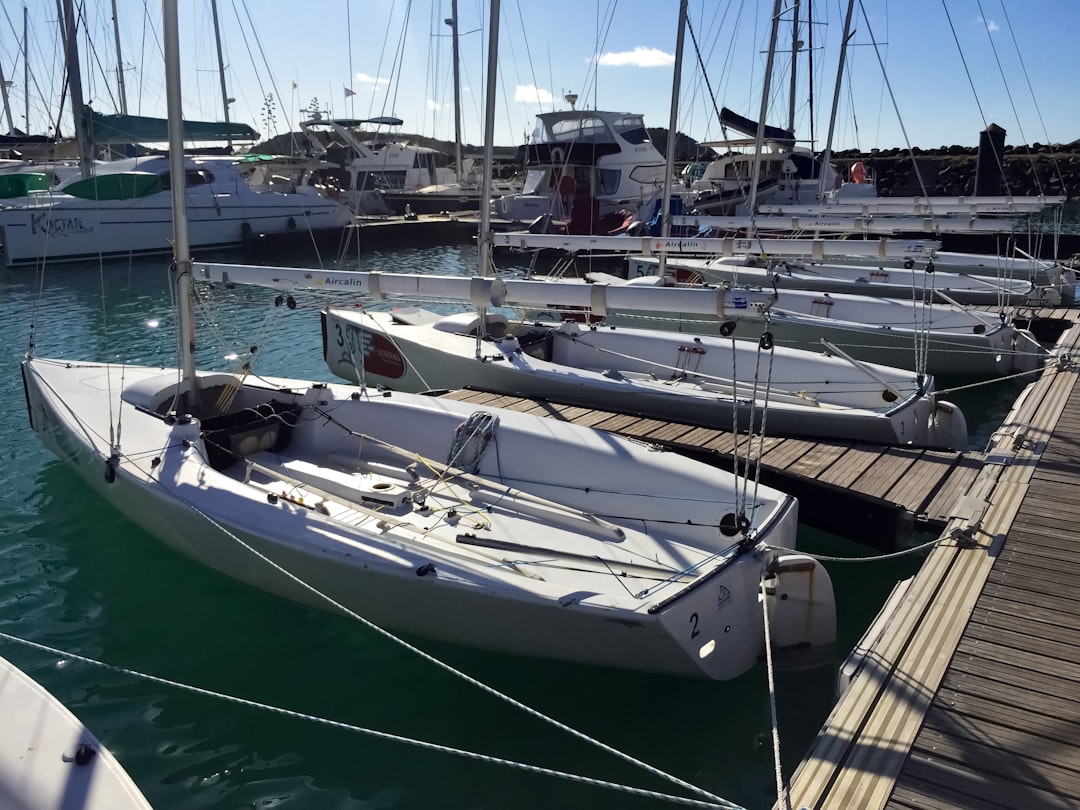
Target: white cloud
column 433, row 105
column 363, row 78
column 639, row 57
column 991, row 26
column 529, row 94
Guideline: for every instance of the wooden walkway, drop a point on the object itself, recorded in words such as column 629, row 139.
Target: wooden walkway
column 970, row 695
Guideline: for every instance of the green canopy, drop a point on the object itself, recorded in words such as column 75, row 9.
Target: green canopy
column 140, row 129
column 117, row 186
column 19, row 185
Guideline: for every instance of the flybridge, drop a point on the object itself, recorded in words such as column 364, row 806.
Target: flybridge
column 483, row 291
column 729, row 246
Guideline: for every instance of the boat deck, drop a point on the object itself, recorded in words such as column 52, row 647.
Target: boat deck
column 968, row 694
column 891, row 488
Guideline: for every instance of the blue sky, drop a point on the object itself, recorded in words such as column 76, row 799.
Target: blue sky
column 1009, row 62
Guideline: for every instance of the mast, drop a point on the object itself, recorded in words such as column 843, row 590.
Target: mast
column 7, row 107
column 669, row 165
column 26, row 69
column 810, row 69
column 453, row 23
column 759, row 140
column 836, row 96
column 119, row 62
column 181, row 250
column 221, row 65
column 484, row 248
column 794, row 59
column 71, row 56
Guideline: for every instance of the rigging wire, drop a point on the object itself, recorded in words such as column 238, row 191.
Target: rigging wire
column 896, row 106
column 998, row 158
column 1031, row 90
column 1012, row 102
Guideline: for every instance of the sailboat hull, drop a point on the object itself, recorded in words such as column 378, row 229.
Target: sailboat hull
column 659, row 375
column 949, row 340
column 623, row 584
column 852, row 279
column 41, row 766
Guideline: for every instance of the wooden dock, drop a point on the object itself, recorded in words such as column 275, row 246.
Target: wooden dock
column 968, row 694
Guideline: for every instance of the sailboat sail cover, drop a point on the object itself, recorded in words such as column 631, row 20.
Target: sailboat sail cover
column 740, row 123
column 141, row 129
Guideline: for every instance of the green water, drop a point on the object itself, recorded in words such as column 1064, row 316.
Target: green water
column 77, row 576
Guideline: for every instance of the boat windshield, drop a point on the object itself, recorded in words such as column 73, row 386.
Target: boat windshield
column 586, row 128
column 534, row 182
column 631, row 128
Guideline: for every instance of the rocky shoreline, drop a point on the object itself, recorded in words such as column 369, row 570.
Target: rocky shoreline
column 950, row 171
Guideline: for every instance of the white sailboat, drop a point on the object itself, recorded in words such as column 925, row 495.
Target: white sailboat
column 495, row 529
column 890, row 331
column 49, row 760
column 702, row 380
column 924, row 282
column 941, row 339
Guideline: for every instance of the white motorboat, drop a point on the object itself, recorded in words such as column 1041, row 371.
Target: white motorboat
column 583, row 166
column 49, row 760
column 702, row 380
column 497, row 529
column 374, row 173
column 124, row 208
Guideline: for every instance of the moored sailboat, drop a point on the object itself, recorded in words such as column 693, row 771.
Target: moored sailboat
column 495, row 529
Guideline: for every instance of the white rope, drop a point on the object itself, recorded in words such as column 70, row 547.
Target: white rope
column 874, row 558
column 382, row 735
column 782, row 798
